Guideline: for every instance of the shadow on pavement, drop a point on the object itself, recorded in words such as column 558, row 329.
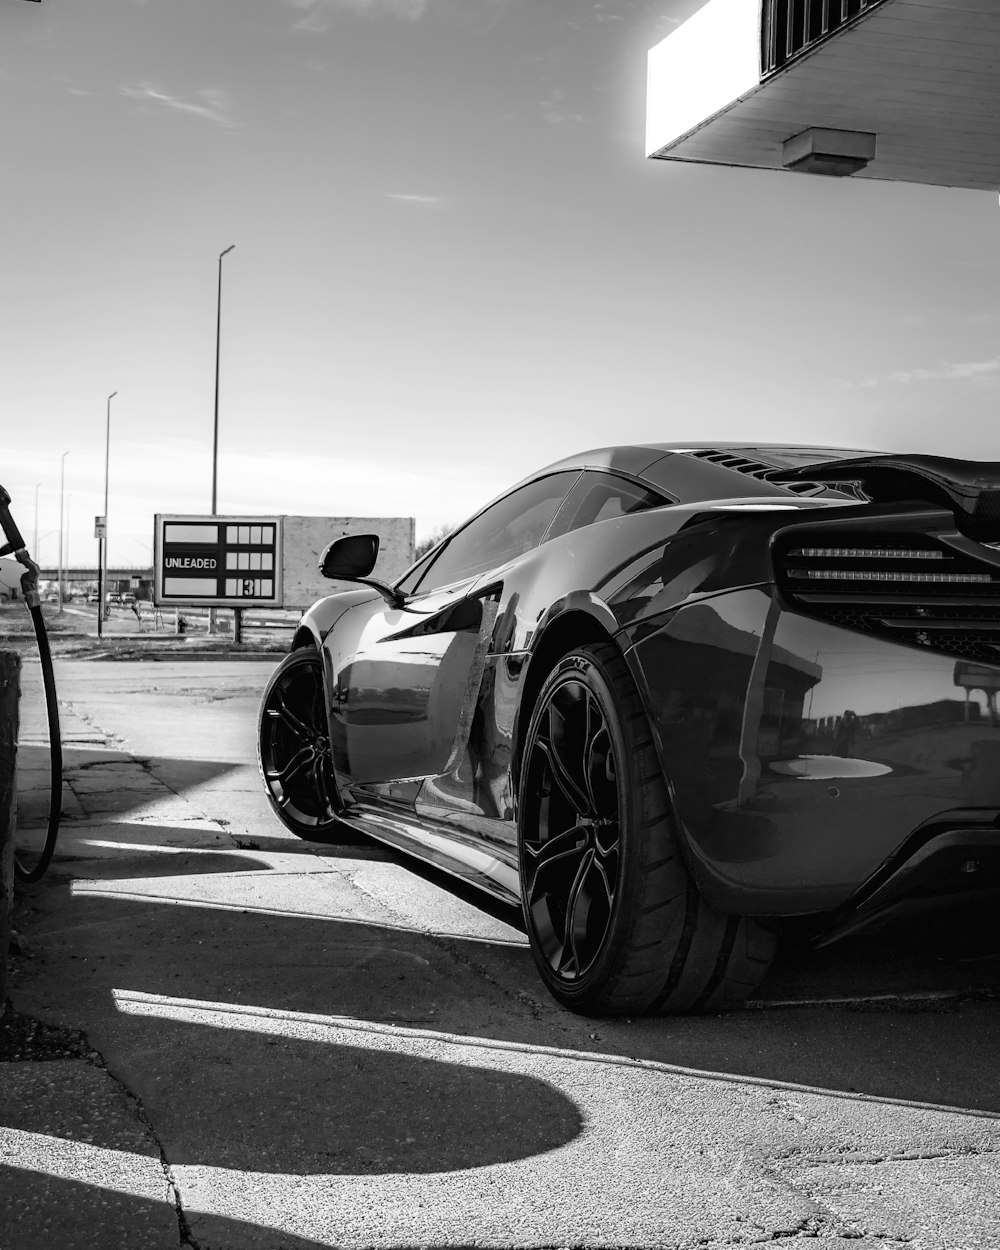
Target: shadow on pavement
column 105, row 1216
column 250, row 1082
column 270, row 947
column 258, row 958
column 274, row 1102
column 99, row 782
column 361, row 847
column 77, row 857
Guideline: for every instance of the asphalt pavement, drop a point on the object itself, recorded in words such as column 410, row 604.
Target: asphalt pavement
column 220, row 1036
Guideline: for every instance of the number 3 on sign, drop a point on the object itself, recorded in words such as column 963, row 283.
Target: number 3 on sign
column 249, row 587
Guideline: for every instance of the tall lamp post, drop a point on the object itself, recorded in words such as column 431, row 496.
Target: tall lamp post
column 102, row 554
column 215, row 428
column 34, row 549
column 215, row 425
column 62, row 503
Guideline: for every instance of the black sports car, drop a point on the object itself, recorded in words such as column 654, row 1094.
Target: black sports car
column 665, row 698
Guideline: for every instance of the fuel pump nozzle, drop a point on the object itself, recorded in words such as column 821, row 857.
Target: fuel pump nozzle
column 14, row 539
column 15, row 545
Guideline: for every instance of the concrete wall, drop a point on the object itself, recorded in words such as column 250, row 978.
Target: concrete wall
column 307, row 537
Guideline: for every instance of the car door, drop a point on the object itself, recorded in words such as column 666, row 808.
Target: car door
column 404, row 700
column 473, row 789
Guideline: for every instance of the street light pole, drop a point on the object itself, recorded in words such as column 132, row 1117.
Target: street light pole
column 102, row 550
column 67, row 563
column 215, row 426
column 62, row 502
column 34, row 549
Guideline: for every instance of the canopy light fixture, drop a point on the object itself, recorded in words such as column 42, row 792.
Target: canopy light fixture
column 833, row 152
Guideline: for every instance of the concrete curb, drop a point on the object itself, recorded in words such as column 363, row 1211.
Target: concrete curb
column 161, row 656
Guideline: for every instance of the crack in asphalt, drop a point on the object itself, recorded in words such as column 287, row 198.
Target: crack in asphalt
column 796, row 1157
column 89, row 720
column 24, row 1039
column 448, row 943
column 173, row 1189
column 822, row 1220
column 827, row 1222
column 918, row 1002
column 94, row 1056
column 970, row 1152
column 808, row 1229
column 812, row 1229
column 449, row 946
column 85, row 767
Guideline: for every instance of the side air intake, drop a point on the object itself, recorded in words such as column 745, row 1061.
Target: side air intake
column 905, row 586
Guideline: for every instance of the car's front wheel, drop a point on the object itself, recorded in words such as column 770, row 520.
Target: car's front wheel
column 293, row 749
column 615, row 923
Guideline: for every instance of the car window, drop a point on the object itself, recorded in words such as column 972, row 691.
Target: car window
column 601, row 496
column 507, row 528
column 413, row 575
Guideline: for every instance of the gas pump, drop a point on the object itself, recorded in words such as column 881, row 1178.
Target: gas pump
column 15, row 545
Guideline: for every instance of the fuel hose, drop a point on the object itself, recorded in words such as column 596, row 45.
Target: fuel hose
column 29, row 588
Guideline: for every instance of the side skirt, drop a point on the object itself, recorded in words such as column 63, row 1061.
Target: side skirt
column 488, row 869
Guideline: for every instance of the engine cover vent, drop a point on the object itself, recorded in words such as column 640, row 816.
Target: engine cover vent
column 763, row 472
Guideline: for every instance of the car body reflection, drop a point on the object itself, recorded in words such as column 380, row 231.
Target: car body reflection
column 915, row 736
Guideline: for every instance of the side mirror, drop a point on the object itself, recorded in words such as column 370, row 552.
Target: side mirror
column 351, row 559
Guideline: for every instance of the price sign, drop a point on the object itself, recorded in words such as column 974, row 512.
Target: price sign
column 218, row 561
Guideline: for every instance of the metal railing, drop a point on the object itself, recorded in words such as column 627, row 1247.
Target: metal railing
column 790, row 28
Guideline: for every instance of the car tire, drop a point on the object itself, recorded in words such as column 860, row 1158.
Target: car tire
column 615, row 922
column 293, row 750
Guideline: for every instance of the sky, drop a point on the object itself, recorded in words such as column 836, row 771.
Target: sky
column 452, row 265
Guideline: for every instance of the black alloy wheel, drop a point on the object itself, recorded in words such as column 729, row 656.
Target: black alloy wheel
column 572, row 851
column 615, row 923
column 293, row 748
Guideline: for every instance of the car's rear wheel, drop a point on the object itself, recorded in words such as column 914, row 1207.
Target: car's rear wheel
column 615, row 922
column 293, row 749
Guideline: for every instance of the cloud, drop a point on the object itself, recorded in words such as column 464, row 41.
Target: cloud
column 406, row 198
column 943, row 316
column 555, row 112
column 319, row 14
column 959, row 371
column 211, row 103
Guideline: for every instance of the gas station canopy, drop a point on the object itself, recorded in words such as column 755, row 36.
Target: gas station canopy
column 902, row 90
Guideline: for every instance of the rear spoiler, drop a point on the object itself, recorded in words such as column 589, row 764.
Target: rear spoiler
column 970, row 488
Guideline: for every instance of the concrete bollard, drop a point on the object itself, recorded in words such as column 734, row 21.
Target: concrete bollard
column 10, row 692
